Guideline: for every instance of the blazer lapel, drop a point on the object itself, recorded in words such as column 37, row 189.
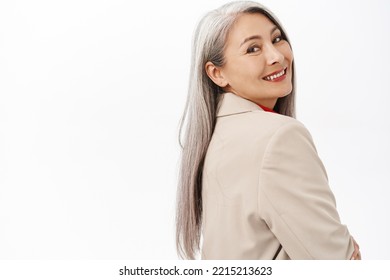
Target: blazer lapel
column 231, row 104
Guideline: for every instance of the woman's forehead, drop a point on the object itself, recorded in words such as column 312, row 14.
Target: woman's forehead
column 251, row 25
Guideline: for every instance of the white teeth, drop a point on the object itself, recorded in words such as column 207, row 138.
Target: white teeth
column 281, row 73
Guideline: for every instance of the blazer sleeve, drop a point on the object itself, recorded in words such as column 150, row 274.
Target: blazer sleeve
column 295, row 200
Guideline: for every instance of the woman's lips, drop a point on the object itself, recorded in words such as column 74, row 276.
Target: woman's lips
column 276, row 76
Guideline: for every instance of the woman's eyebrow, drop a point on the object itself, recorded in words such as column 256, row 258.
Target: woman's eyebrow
column 250, row 38
column 257, row 36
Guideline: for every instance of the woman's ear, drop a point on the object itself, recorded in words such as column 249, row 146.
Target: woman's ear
column 215, row 74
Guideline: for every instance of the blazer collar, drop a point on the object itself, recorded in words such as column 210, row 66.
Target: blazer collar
column 231, row 104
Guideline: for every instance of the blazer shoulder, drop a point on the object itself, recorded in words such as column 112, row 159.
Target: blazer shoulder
column 261, row 123
column 276, row 121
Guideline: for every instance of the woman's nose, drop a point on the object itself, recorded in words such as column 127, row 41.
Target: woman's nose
column 273, row 55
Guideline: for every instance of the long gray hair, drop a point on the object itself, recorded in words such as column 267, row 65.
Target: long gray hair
column 199, row 116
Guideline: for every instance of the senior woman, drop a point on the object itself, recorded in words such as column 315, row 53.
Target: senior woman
column 251, row 183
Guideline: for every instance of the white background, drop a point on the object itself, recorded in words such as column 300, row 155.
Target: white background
column 91, row 93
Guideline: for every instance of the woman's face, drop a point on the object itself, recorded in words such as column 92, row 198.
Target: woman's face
column 258, row 61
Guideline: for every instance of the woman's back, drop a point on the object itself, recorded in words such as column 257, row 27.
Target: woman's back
column 264, row 194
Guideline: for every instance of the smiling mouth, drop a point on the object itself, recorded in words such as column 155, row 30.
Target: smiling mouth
column 275, row 76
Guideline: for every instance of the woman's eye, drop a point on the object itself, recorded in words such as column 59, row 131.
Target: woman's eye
column 253, row 49
column 277, row 39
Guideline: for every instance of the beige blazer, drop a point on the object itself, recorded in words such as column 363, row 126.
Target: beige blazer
column 265, row 190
